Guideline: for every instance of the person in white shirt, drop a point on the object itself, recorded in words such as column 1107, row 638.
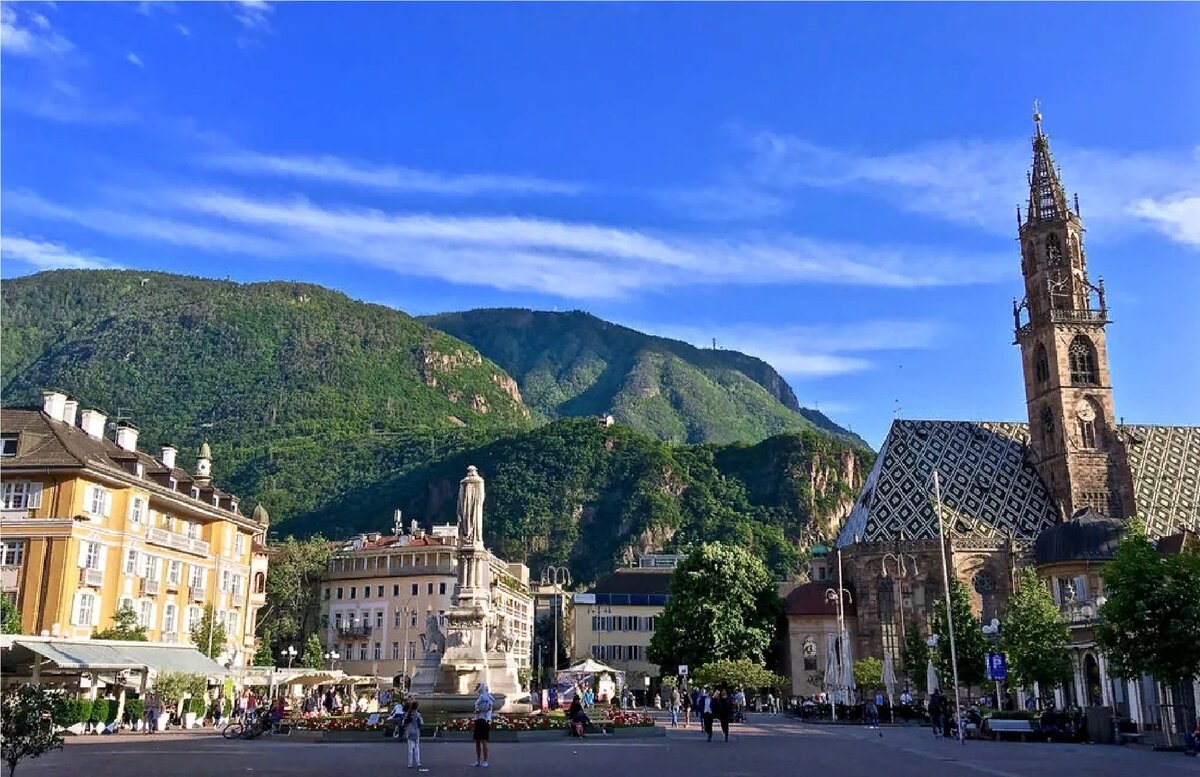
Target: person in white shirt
column 483, row 724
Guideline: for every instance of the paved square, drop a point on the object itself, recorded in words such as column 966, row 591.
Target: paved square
column 765, row 747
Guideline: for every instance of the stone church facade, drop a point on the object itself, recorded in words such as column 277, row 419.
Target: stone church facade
column 1071, row 466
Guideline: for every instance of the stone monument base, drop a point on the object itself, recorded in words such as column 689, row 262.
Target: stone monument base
column 449, row 685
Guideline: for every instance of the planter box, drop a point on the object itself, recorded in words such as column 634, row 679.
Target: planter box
column 189, row 720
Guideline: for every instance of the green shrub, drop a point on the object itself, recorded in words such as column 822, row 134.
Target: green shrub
column 226, row 707
column 99, row 711
column 68, row 712
column 196, row 704
column 135, row 710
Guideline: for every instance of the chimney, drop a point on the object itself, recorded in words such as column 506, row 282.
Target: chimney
column 168, row 456
column 70, row 412
column 127, row 435
column 52, row 404
column 92, row 422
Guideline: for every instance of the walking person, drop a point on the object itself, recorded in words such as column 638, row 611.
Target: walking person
column 685, row 699
column 412, row 731
column 723, row 709
column 483, row 724
column 674, row 707
column 936, row 710
column 705, row 706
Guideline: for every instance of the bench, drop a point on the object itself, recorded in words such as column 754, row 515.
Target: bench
column 1017, row 726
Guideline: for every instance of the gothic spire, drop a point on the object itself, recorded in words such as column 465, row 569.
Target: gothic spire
column 1046, row 198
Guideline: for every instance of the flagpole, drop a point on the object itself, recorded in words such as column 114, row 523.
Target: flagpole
column 937, row 495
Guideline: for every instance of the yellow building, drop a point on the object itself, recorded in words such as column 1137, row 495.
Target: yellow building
column 90, row 523
column 614, row 622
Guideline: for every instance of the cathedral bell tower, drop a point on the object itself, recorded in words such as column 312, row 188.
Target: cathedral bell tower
column 1060, row 330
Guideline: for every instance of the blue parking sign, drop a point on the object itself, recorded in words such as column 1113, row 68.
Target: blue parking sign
column 997, row 666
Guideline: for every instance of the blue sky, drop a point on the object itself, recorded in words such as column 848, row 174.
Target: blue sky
column 830, row 187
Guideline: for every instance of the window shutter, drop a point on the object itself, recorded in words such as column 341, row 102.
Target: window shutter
column 34, row 497
column 101, row 557
column 87, row 500
column 75, row 604
column 107, row 503
column 82, row 554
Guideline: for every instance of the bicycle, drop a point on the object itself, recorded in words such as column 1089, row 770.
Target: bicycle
column 246, row 728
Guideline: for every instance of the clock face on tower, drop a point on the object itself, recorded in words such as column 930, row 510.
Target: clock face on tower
column 1084, row 411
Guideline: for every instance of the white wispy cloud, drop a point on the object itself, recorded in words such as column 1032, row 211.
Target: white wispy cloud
column 978, row 183
column 29, row 34
column 1178, row 217
column 332, row 169
column 49, row 256
column 809, row 350
column 253, row 14
column 133, row 59
column 566, row 259
column 183, row 30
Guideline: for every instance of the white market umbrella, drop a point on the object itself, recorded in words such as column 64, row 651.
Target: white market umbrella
column 931, row 679
column 832, row 675
column 889, row 675
column 847, row 668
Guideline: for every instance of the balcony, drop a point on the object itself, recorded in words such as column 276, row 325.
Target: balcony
column 150, row 587
column 355, row 630
column 15, row 514
column 170, row 636
column 195, row 593
column 8, row 578
column 175, row 541
column 93, row 578
column 1079, row 316
column 1081, row 612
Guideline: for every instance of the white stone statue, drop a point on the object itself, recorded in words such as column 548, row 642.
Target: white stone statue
column 470, row 508
column 434, row 639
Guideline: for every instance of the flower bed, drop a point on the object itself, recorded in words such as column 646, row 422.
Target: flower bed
column 543, row 722
column 338, row 723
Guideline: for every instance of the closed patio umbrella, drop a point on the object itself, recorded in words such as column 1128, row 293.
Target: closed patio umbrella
column 889, row 681
column 931, row 679
column 832, row 673
column 847, row 668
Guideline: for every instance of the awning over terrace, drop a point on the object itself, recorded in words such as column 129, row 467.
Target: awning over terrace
column 21, row 655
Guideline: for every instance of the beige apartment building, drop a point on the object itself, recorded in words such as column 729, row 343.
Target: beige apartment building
column 614, row 621
column 90, row 524
column 379, row 590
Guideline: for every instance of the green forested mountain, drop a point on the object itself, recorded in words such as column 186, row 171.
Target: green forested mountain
column 576, row 492
column 303, row 392
column 574, row 364
column 332, row 413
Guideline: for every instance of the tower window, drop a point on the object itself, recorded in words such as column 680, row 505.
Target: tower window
column 1048, row 427
column 1087, row 433
column 1081, row 357
column 1054, row 253
column 1041, row 364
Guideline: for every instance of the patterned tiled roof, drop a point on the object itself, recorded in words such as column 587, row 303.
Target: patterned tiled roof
column 1165, row 461
column 990, row 488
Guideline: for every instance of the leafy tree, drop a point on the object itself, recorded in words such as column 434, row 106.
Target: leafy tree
column 1034, row 635
column 723, row 606
column 293, row 588
column 27, row 724
column 263, row 655
column 969, row 642
column 124, row 626
column 10, row 617
column 914, row 654
column 742, row 673
column 208, row 635
column 1151, row 617
column 868, row 673
column 173, row 687
column 313, row 655
column 543, row 635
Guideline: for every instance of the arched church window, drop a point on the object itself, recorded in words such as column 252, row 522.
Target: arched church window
column 1054, row 252
column 1081, row 357
column 1041, row 364
column 887, row 617
column 1048, row 427
column 985, row 585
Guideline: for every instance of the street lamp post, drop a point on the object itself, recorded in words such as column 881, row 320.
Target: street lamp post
column 290, row 654
column 406, row 612
column 556, row 577
column 992, row 632
column 839, row 596
column 906, row 568
column 332, row 657
column 937, row 496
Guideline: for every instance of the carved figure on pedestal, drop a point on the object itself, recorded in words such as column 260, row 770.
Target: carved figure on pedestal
column 470, row 508
column 434, row 638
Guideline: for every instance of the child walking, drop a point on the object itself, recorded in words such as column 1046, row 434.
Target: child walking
column 412, row 730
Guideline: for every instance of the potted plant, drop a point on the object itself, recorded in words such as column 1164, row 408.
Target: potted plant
column 193, row 710
column 135, row 711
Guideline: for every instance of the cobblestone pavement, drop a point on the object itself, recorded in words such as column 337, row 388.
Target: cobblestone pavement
column 767, row 745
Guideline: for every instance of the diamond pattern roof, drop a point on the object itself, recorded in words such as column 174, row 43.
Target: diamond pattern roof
column 991, row 490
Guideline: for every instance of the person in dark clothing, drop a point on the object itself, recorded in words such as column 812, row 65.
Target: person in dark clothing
column 579, row 719
column 723, row 710
column 705, row 705
column 937, row 711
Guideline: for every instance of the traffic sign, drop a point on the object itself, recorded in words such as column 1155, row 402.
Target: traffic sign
column 997, row 666
column 683, row 670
